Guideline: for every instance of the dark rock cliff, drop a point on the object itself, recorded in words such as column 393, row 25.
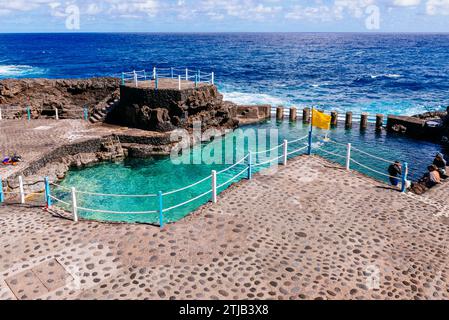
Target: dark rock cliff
column 68, row 96
column 165, row 110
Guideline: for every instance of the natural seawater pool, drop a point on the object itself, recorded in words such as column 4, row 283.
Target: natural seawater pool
column 149, row 176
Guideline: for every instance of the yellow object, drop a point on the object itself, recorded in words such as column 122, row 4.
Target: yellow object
column 321, row 120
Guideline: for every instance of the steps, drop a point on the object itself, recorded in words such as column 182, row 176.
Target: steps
column 99, row 115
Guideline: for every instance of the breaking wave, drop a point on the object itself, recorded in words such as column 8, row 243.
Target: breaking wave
column 7, row 71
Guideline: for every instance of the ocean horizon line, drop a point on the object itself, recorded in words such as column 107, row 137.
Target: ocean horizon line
column 236, row 32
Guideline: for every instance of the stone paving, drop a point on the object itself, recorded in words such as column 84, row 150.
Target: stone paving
column 310, row 231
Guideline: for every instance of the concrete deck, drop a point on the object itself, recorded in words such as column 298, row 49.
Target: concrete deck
column 311, row 231
column 165, row 83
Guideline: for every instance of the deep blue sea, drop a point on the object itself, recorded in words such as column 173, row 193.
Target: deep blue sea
column 386, row 73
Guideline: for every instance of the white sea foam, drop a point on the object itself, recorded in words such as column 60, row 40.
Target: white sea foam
column 19, row 70
column 254, row 98
column 387, row 75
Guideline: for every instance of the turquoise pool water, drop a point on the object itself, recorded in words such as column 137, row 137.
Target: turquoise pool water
column 148, row 177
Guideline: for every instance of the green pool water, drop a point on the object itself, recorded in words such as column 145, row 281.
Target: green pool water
column 149, row 176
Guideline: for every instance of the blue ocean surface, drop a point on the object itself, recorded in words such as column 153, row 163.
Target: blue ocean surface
column 375, row 73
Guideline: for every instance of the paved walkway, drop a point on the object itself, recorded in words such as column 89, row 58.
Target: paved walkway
column 312, row 231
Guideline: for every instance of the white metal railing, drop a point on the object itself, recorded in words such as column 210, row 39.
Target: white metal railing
column 348, row 156
column 183, row 76
column 14, row 113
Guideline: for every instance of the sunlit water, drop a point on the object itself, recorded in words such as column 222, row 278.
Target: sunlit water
column 148, row 177
column 376, row 73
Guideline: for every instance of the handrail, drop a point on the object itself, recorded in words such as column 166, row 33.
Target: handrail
column 115, row 212
column 234, row 165
column 187, row 202
column 232, row 179
column 188, row 187
column 372, row 156
column 373, row 170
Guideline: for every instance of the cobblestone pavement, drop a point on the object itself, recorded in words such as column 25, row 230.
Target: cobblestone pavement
column 311, row 231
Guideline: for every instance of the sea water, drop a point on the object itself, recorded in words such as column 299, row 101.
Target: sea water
column 375, row 73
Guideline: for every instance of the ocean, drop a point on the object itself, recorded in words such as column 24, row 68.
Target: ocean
column 375, row 73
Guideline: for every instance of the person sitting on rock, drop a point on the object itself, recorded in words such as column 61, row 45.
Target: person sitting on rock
column 441, row 164
column 395, row 171
column 434, row 176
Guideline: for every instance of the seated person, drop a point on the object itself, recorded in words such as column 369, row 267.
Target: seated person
column 395, row 171
column 441, row 164
column 434, row 177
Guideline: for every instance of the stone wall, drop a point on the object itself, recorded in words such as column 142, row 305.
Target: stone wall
column 167, row 109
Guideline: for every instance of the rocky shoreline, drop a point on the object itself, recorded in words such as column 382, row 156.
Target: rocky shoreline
column 68, row 96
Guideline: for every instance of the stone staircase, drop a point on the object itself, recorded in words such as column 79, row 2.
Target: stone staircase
column 99, row 114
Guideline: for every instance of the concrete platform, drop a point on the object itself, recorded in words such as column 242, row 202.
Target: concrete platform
column 311, row 231
column 165, row 84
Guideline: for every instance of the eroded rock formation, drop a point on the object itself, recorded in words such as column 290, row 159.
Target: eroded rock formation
column 68, row 96
column 166, row 110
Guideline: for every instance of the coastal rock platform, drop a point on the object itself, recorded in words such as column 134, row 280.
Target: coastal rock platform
column 310, row 231
column 49, row 147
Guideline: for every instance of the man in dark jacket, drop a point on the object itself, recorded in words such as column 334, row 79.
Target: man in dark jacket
column 441, row 164
column 395, row 172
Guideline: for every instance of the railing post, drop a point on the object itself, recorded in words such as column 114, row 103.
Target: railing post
column 28, row 113
column 179, row 82
column 144, row 75
column 199, row 75
column 187, row 74
column 214, row 186
column 47, row 193
column 74, row 206
column 285, row 152
column 156, row 82
column 348, row 157
column 213, row 78
column 123, row 78
column 2, row 196
column 196, row 80
column 135, row 78
column 309, row 147
column 154, row 73
column 56, row 114
column 161, row 209
column 172, row 73
column 404, row 177
column 22, row 193
column 86, row 113
column 250, row 165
